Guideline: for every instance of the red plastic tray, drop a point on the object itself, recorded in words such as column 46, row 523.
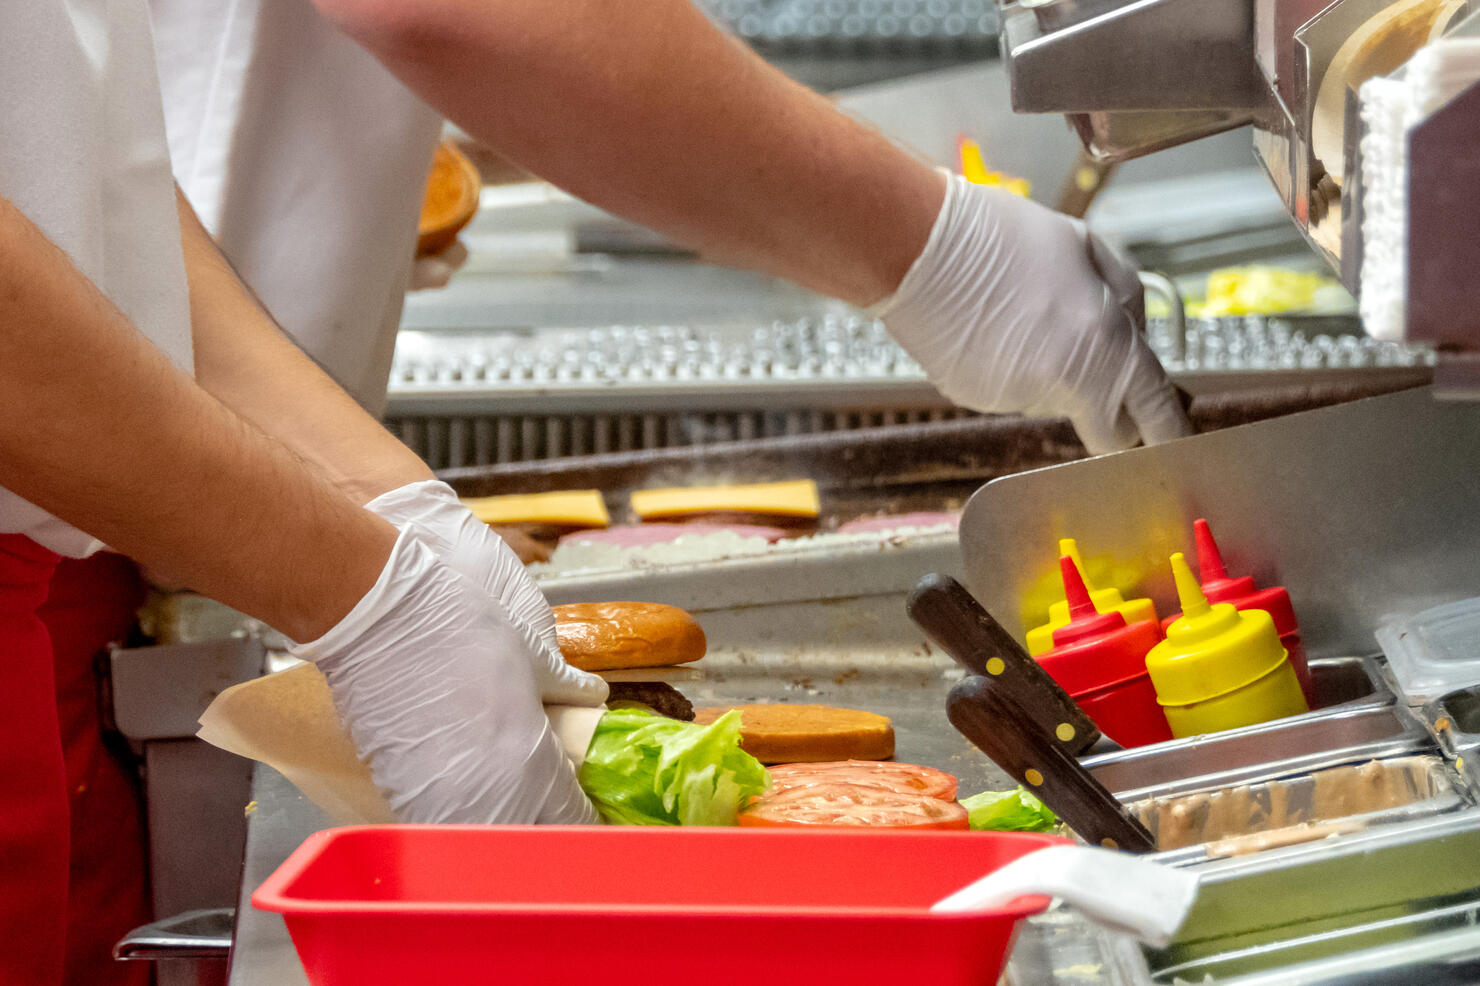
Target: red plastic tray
column 547, row 906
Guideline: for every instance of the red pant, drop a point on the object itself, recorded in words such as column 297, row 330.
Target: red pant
column 69, row 805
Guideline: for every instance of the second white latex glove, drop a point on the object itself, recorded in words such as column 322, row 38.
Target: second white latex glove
column 468, row 545
column 440, row 695
column 1014, row 308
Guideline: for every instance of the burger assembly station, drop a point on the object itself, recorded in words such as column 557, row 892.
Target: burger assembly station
column 899, row 691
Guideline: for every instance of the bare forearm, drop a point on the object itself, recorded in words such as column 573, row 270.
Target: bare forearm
column 647, row 110
column 97, row 427
column 245, row 361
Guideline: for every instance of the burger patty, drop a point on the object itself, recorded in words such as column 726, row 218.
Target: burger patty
column 659, row 696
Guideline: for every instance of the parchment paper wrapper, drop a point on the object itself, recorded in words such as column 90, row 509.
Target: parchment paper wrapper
column 287, row 721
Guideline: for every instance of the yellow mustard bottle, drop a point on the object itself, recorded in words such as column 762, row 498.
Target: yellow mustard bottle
column 1040, row 638
column 1220, row 668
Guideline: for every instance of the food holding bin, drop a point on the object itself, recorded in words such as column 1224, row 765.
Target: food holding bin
column 383, row 905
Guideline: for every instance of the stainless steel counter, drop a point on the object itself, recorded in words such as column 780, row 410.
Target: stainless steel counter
column 262, row 953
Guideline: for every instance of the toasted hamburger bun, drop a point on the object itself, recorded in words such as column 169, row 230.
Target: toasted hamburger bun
column 808, row 733
column 608, row 636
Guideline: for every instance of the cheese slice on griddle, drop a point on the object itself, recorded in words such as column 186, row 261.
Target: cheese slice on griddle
column 566, row 508
column 797, row 498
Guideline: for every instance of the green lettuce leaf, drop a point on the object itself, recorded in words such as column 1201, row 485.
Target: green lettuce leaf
column 1009, row 811
column 646, row 769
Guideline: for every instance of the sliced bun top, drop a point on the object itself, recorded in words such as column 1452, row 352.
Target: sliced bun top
column 608, row 636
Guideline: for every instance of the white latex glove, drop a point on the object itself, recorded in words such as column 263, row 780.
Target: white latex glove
column 442, row 699
column 470, row 547
column 1012, row 307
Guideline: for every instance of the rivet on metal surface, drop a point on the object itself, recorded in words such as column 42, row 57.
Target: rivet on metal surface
column 1109, row 843
column 1064, row 732
column 1442, row 724
column 1033, row 777
column 996, row 666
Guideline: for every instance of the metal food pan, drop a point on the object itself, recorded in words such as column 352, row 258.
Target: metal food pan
column 1454, row 719
column 1356, row 721
column 1193, row 827
column 1398, row 894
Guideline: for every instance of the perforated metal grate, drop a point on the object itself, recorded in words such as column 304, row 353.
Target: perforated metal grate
column 861, row 26
column 467, row 399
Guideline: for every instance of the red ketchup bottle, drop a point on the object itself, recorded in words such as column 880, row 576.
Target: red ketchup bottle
column 1244, row 594
column 1101, row 662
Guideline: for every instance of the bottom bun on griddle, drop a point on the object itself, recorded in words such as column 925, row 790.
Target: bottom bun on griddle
column 659, row 696
column 783, row 733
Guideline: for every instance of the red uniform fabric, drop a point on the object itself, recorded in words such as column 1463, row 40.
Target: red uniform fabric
column 64, row 818
column 33, row 786
column 93, row 603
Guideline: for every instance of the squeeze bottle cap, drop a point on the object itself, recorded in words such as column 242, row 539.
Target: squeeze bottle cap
column 1215, row 581
column 1211, row 649
column 1040, row 638
column 1241, row 591
column 1085, row 620
column 1095, row 651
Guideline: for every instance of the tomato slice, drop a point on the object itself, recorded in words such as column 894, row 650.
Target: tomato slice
column 844, row 804
column 901, row 778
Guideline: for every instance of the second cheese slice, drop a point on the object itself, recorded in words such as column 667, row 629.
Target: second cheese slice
column 797, row 498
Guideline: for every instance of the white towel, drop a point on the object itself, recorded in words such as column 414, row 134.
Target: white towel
column 1390, row 107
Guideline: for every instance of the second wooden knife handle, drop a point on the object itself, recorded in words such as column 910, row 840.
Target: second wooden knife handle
column 982, row 713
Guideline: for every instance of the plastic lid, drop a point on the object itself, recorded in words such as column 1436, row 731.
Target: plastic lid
column 1435, row 651
column 1242, row 591
column 1041, row 639
column 1095, row 649
column 1211, row 649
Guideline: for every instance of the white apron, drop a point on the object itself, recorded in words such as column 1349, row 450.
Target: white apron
column 307, row 160
column 83, row 156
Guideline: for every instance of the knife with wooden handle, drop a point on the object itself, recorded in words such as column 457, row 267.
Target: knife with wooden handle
column 953, row 618
column 983, row 712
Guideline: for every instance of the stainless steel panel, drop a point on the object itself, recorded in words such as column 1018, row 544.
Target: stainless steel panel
column 197, row 796
column 160, row 692
column 1117, row 58
column 1365, row 511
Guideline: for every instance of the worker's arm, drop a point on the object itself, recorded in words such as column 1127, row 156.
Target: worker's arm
column 649, row 111
column 246, row 362
column 97, row 427
column 440, row 686
column 243, row 359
